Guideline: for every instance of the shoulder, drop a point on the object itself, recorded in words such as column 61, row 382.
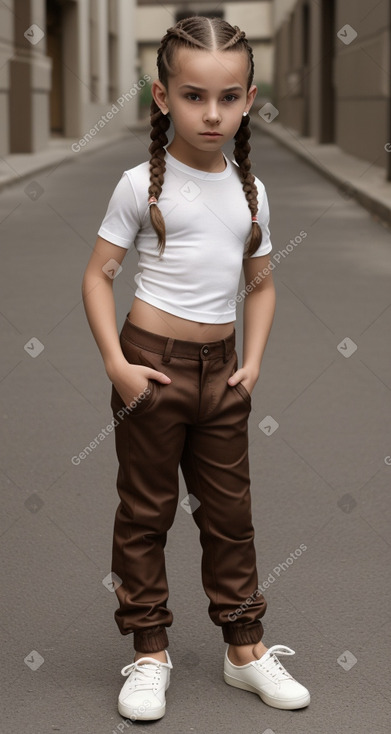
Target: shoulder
column 134, row 185
column 138, row 175
column 130, row 195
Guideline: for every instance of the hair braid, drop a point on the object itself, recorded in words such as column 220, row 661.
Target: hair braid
column 157, row 166
column 178, row 32
column 239, row 35
column 241, row 153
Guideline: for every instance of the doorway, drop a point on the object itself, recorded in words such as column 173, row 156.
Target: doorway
column 54, row 36
column 327, row 99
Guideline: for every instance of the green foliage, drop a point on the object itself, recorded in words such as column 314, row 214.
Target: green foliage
column 145, row 97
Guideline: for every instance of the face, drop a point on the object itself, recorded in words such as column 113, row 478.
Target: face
column 206, row 94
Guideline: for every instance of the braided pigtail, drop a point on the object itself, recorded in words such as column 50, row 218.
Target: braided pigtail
column 157, row 166
column 241, row 153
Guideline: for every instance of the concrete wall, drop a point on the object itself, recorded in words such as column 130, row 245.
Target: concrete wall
column 362, row 79
column 281, row 10
column 341, row 93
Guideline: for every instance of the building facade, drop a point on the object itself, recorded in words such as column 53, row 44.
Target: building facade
column 67, row 67
column 332, row 74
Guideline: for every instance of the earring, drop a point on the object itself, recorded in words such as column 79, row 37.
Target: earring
column 245, row 114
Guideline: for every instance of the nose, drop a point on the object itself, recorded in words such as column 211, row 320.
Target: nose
column 212, row 114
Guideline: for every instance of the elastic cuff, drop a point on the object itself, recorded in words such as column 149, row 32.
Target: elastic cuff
column 150, row 639
column 242, row 634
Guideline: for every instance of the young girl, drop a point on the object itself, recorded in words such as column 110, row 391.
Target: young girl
column 178, row 394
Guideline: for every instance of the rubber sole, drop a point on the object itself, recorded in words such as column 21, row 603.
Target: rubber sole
column 147, row 715
column 293, row 704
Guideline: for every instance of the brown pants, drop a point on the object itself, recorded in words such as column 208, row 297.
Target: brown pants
column 199, row 422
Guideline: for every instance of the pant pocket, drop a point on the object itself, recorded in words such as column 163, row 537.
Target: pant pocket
column 138, row 406
column 146, row 398
column 240, row 388
column 243, row 392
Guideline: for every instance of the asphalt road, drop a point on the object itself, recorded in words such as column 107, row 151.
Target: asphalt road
column 320, row 447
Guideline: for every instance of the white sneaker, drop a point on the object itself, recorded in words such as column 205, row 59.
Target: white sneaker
column 143, row 694
column 269, row 679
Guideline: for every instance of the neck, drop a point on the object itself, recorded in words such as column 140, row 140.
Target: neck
column 213, row 162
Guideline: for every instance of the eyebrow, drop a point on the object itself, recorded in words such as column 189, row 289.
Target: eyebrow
column 200, row 89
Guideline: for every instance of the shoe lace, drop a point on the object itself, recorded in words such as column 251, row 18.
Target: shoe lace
column 144, row 676
column 273, row 665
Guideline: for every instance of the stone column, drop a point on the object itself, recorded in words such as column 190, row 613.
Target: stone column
column 103, row 51
column 76, row 51
column 127, row 51
column 30, row 79
column 6, row 53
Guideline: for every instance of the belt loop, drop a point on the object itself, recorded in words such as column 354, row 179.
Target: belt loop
column 168, row 350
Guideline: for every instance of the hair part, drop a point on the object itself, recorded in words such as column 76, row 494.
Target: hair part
column 209, row 34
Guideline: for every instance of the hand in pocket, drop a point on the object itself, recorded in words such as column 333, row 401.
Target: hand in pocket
column 131, row 380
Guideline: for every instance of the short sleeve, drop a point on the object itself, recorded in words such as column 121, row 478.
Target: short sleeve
column 121, row 221
column 263, row 220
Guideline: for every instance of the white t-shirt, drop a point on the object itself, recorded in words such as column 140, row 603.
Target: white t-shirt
column 207, row 221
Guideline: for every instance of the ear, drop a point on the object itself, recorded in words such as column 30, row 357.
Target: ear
column 159, row 94
column 251, row 94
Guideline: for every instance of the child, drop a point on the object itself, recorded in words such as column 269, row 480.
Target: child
column 178, row 394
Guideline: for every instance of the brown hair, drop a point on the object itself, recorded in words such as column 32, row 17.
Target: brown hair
column 208, row 34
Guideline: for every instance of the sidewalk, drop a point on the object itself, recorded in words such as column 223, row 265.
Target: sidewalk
column 355, row 177
column 16, row 167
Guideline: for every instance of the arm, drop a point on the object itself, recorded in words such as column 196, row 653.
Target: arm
column 99, row 304
column 259, row 308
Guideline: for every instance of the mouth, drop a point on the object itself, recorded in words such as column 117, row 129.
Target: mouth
column 212, row 135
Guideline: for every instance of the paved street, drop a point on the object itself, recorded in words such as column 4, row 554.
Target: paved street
column 320, row 435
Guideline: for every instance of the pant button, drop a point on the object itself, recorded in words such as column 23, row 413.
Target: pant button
column 205, row 350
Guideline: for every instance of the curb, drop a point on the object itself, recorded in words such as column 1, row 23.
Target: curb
column 52, row 157
column 374, row 196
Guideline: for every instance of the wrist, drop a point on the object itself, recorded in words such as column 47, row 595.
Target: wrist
column 113, row 365
column 252, row 370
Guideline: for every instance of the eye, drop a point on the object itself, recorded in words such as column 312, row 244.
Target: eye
column 193, row 97
column 191, row 94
